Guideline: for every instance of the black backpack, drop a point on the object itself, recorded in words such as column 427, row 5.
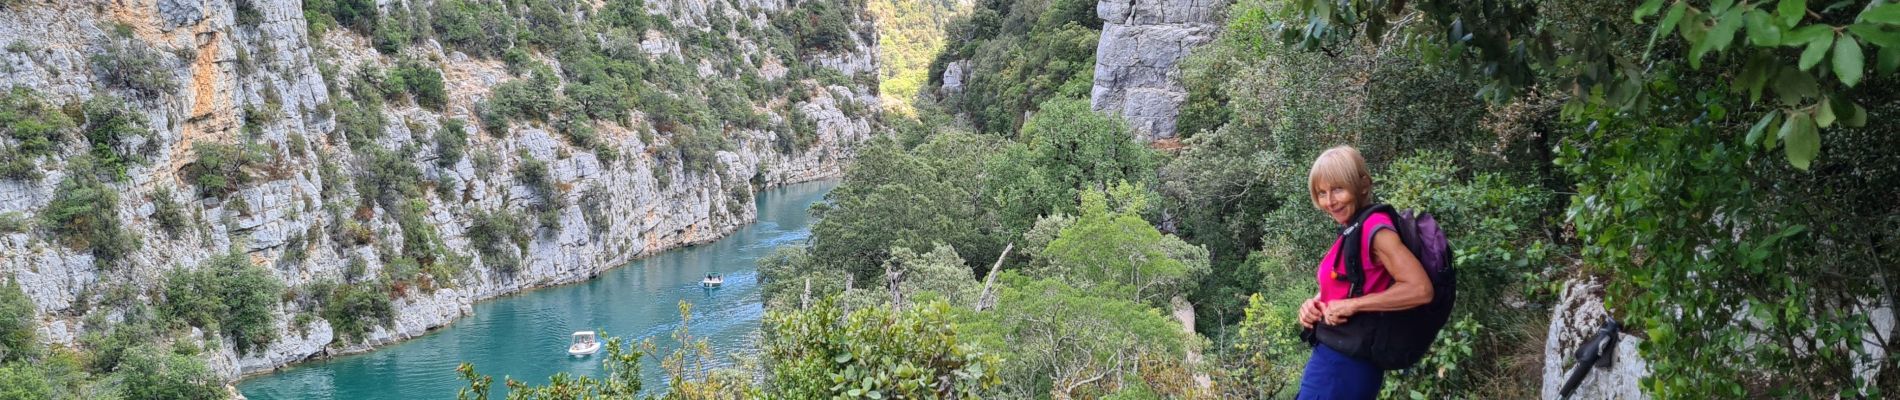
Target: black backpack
column 1393, row 339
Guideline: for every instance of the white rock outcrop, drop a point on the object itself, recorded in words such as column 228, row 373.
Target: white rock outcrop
column 1135, row 62
column 954, row 74
column 1575, row 318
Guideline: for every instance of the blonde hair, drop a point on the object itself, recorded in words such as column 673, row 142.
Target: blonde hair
column 1341, row 166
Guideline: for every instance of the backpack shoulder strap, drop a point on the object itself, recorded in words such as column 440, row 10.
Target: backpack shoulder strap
column 1350, row 250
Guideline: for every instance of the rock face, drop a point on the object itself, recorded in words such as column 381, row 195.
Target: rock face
column 227, row 61
column 953, row 76
column 1142, row 41
column 1574, row 320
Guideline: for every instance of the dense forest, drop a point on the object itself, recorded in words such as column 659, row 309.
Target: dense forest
column 1724, row 168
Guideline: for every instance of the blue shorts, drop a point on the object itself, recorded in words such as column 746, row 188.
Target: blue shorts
column 1331, row 375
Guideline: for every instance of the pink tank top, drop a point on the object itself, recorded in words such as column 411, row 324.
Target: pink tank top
column 1332, row 278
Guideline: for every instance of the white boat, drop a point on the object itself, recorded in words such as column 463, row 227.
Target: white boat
column 713, row 281
column 584, row 344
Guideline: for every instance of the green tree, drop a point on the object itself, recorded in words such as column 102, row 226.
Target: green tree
column 1266, row 357
column 21, row 381
column 1070, row 149
column 873, row 352
column 355, row 309
column 1055, row 338
column 229, row 295
column 423, row 81
column 151, row 373
column 18, row 337
column 1112, row 251
column 787, row 272
column 910, row 199
column 939, row 273
column 498, row 236
column 479, row 28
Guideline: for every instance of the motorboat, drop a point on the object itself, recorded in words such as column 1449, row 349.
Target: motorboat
column 585, row 343
column 713, row 281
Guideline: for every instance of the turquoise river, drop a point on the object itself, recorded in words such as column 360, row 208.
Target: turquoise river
column 525, row 335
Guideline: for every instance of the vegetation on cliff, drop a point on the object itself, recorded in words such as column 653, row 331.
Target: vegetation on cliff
column 595, row 74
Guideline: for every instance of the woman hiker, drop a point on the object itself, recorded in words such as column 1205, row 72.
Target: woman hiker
column 1394, row 279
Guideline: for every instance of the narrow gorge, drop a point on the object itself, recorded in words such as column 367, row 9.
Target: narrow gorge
column 388, row 163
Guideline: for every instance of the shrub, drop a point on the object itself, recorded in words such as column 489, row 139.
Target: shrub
column 876, row 350
column 1033, row 326
column 1112, row 252
column 535, row 175
column 355, row 309
column 529, row 99
column 20, row 380
column 361, row 121
column 15, row 222
column 388, row 178
column 594, row 208
column 152, row 373
column 516, row 60
column 392, row 31
column 222, row 169
column 622, row 365
column 355, row 269
column 479, row 28
column 228, row 295
column 248, row 14
column 84, row 215
column 18, row 167
column 420, row 241
column 818, row 25
column 296, row 249
column 698, row 150
column 629, row 14
column 110, row 347
column 579, row 131
column 17, row 323
column 497, row 236
column 422, row 81
column 1264, row 357
column 131, row 64
column 604, row 101
column 111, row 127
column 450, row 142
column 255, row 119
column 486, row 162
column 166, row 212
column 360, row 15
column 36, row 127
column 800, row 135
column 548, row 27
column 493, row 120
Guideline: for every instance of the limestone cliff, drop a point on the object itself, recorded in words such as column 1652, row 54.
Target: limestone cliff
column 251, row 73
column 1135, row 63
